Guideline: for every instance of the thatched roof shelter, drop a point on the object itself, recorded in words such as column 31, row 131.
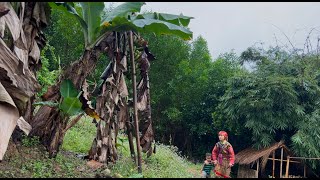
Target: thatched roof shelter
column 252, row 156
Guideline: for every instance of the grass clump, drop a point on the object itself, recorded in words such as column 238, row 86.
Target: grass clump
column 167, row 162
column 79, row 138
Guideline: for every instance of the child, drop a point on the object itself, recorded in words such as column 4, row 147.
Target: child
column 223, row 156
column 207, row 167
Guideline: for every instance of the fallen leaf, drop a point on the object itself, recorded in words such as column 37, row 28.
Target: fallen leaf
column 94, row 164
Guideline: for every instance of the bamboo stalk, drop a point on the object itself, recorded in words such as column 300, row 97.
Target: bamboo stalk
column 135, row 110
column 287, row 167
column 273, row 162
column 281, row 162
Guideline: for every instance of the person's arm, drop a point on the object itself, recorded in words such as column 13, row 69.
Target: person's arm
column 203, row 166
column 214, row 154
column 231, row 154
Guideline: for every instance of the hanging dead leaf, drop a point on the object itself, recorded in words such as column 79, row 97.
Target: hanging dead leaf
column 86, row 104
column 90, row 112
column 4, row 9
column 94, row 165
column 123, row 90
column 122, row 115
column 123, row 64
column 8, row 116
column 142, row 102
column 85, row 86
column 2, row 27
column 35, row 52
column 24, row 125
column 144, row 65
column 147, row 138
column 22, row 87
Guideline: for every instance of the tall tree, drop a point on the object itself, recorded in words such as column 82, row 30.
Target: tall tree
column 169, row 51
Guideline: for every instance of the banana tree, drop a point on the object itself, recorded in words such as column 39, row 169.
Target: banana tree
column 20, row 44
column 106, row 34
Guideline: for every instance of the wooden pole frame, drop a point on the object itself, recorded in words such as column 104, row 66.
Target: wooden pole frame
column 287, row 166
column 257, row 172
column 281, row 162
column 273, row 162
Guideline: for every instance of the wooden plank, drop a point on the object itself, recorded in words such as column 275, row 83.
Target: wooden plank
column 287, row 167
column 273, row 162
column 281, row 163
column 285, row 160
column 303, row 158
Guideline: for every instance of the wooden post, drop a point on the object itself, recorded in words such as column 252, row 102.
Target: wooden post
column 135, row 110
column 273, row 163
column 305, row 170
column 257, row 173
column 287, row 167
column 281, row 162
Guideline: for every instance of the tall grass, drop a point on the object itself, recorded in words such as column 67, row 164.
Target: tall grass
column 167, row 162
column 79, row 138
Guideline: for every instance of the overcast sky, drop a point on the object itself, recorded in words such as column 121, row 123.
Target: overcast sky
column 239, row 25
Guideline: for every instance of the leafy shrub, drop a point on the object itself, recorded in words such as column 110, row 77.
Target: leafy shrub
column 30, row 141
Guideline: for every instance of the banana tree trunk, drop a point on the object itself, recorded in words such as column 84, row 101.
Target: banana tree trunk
column 103, row 146
column 144, row 103
column 147, row 131
column 111, row 104
column 49, row 123
column 21, row 40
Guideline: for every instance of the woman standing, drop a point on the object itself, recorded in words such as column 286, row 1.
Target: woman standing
column 223, row 156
